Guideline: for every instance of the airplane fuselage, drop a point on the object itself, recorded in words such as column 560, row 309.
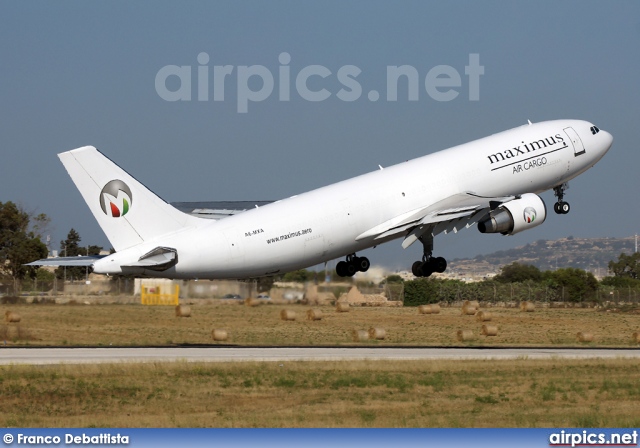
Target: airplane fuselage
column 330, row 222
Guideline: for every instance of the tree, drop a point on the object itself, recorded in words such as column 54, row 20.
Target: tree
column 578, row 285
column 621, row 282
column 18, row 244
column 516, row 273
column 626, row 266
column 40, row 225
column 393, row 278
column 71, row 248
column 43, row 281
column 421, row 291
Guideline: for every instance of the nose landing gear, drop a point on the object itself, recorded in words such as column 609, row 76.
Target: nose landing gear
column 561, row 207
column 351, row 265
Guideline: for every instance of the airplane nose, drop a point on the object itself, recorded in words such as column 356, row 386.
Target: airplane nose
column 607, row 139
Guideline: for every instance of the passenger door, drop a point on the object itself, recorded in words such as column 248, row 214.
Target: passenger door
column 578, row 147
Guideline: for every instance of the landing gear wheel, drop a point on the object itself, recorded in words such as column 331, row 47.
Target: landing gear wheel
column 439, row 264
column 341, row 268
column 351, row 265
column 416, row 269
column 426, row 268
column 362, row 264
column 561, row 208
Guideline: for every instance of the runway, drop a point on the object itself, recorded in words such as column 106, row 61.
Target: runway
column 44, row 356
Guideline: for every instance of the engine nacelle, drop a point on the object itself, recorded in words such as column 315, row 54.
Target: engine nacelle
column 515, row 216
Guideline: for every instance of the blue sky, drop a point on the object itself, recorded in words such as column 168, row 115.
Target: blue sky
column 83, row 73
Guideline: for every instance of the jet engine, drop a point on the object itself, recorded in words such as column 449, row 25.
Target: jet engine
column 524, row 213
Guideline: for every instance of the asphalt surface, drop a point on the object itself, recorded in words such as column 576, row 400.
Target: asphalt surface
column 43, row 356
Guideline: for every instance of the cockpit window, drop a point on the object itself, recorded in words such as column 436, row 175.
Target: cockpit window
column 594, row 130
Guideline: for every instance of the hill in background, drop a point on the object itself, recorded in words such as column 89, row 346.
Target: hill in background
column 590, row 254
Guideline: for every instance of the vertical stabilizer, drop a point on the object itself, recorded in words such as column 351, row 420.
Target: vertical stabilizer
column 127, row 211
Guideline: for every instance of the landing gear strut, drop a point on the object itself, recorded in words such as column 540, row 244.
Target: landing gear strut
column 352, row 265
column 429, row 264
column 561, row 207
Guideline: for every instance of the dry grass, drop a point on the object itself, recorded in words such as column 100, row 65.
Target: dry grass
column 521, row 393
column 148, row 325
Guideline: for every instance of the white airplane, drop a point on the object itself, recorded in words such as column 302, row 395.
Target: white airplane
column 493, row 182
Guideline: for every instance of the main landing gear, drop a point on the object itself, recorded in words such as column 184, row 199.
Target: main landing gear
column 561, row 207
column 352, row 265
column 429, row 264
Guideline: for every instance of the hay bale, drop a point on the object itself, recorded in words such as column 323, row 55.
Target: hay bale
column 287, row 315
column 472, row 303
column 15, row 333
column 218, row 334
column 527, row 307
column 11, row 317
column 490, row 330
column 465, row 335
column 429, row 309
column 183, row 311
column 636, row 337
column 342, row 307
column 314, row 315
column 377, row 333
column 360, row 335
column 468, row 309
column 483, row 316
column 250, row 301
column 584, row 336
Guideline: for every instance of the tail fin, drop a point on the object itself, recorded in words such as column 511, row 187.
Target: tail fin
column 127, row 211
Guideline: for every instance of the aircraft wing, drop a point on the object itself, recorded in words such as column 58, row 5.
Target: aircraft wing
column 450, row 214
column 67, row 261
column 217, row 209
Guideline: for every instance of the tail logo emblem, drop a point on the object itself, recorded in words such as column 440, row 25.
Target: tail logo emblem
column 116, row 199
column 529, row 215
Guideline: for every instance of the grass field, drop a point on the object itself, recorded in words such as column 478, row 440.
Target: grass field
column 520, row 393
column 156, row 325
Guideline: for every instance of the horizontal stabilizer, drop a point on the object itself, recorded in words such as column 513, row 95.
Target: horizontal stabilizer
column 159, row 259
column 67, row 261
